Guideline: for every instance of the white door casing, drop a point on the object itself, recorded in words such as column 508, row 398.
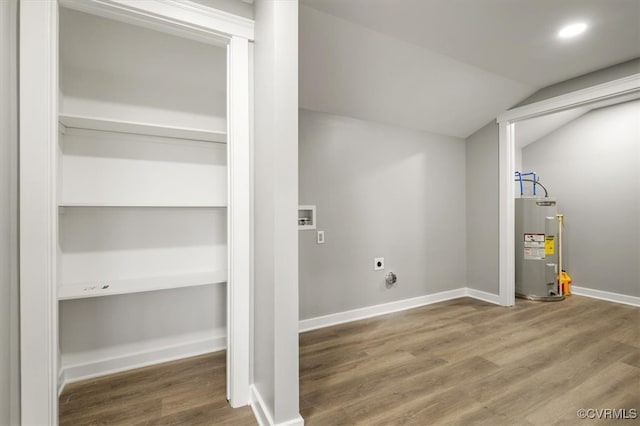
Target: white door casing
column 38, row 207
column 620, row 89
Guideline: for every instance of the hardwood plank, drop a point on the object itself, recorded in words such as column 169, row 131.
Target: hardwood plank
column 190, row 391
column 466, row 362
column 412, row 405
column 461, row 362
column 616, row 386
column 361, row 386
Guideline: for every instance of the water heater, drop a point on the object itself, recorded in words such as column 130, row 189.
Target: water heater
column 536, row 247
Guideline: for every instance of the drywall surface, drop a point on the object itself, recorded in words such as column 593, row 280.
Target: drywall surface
column 604, row 75
column 89, row 326
column 592, row 167
column 484, row 143
column 482, row 209
column 9, row 355
column 380, row 191
column 112, row 71
column 275, row 207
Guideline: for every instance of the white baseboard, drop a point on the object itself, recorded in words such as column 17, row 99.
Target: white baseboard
column 95, row 366
column 298, row 421
column 259, row 408
column 606, row 295
column 399, row 305
column 483, row 295
column 373, row 311
column 263, row 414
column 61, row 382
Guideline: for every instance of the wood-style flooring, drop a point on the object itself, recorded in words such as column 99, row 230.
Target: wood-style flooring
column 466, row 362
column 461, row 362
column 191, row 391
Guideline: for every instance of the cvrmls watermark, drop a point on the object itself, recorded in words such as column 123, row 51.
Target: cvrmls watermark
column 608, row 413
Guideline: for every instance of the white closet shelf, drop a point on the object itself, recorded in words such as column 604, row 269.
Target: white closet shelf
column 138, row 285
column 149, row 205
column 148, row 129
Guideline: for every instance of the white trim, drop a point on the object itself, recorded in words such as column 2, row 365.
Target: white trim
column 507, row 263
column 376, row 310
column 251, row 211
column 262, row 413
column 38, row 211
column 484, row 296
column 179, row 17
column 38, row 91
column 614, row 88
column 298, row 421
column 62, row 381
column 238, row 223
column 138, row 285
column 606, row 295
column 68, row 121
column 603, row 92
column 405, row 304
column 259, row 408
column 117, row 363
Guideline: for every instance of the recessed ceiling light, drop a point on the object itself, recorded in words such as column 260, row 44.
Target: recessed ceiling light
column 572, row 30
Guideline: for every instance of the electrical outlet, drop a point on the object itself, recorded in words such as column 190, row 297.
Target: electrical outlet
column 378, row 264
column 320, row 237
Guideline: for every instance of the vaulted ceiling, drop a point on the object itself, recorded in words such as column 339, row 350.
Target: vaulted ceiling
column 451, row 66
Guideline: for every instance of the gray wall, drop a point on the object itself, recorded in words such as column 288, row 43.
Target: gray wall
column 592, row 166
column 9, row 409
column 483, row 200
column 483, row 275
column 380, row 191
column 588, row 80
column 275, row 207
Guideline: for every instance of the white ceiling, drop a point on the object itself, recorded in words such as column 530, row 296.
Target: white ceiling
column 450, row 66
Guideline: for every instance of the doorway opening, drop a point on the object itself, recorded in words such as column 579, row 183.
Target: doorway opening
column 615, row 92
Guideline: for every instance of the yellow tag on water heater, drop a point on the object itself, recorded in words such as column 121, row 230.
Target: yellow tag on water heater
column 549, row 245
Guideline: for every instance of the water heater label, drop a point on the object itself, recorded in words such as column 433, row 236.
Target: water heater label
column 534, row 246
column 533, row 238
column 549, row 245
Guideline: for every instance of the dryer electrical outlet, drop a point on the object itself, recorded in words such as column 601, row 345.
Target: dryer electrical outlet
column 378, row 264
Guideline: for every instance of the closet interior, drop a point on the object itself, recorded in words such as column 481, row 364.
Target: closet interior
column 142, row 195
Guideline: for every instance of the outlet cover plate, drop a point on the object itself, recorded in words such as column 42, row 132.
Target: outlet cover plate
column 378, row 264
